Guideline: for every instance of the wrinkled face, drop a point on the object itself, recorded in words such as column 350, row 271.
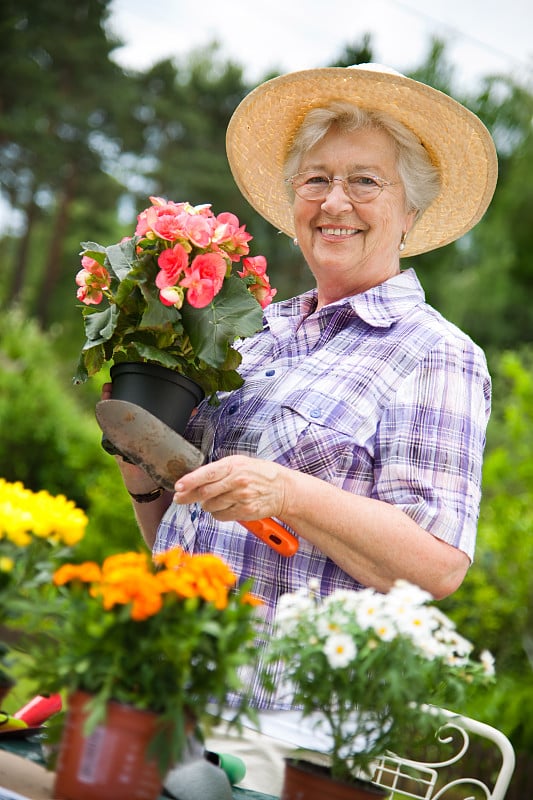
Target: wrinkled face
column 351, row 246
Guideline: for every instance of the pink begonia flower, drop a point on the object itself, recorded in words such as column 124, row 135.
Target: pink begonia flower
column 168, row 220
column 262, row 291
column 90, row 264
column 159, row 217
column 160, row 201
column 232, row 234
column 204, row 279
column 142, row 224
column 198, row 228
column 172, row 296
column 165, row 223
column 255, row 265
column 91, row 282
column 172, row 263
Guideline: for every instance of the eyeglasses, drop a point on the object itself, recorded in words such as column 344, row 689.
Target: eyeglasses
column 359, row 187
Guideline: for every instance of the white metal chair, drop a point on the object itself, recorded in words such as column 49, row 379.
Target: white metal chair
column 428, row 781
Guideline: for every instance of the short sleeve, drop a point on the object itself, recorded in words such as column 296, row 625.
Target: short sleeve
column 430, row 442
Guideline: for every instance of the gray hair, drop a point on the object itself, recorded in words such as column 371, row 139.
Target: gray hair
column 420, row 178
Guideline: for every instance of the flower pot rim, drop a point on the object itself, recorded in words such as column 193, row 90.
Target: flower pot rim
column 305, row 765
column 88, row 696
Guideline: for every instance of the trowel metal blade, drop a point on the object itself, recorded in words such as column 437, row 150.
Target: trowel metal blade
column 146, row 441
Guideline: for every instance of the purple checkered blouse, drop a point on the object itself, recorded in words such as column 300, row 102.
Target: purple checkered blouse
column 377, row 394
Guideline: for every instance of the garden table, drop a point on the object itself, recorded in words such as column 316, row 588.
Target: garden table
column 22, row 771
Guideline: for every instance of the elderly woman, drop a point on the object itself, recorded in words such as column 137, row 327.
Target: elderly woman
column 361, row 422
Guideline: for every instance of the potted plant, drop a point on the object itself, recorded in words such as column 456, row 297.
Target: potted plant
column 146, row 650
column 362, row 665
column 37, row 530
column 172, row 295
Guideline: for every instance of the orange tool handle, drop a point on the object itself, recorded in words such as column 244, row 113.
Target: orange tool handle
column 273, row 534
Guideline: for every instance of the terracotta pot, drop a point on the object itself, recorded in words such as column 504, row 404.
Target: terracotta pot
column 306, row 781
column 166, row 394
column 111, row 763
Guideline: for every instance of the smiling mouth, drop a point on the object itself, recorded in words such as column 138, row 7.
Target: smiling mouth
column 339, row 231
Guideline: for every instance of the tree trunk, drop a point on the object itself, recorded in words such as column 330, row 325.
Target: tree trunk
column 20, row 265
column 52, row 269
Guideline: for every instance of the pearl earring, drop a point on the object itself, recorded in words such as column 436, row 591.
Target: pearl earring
column 295, row 242
column 401, row 246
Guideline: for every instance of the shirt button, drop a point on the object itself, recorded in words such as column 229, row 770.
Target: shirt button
column 316, row 413
column 270, row 372
column 232, row 409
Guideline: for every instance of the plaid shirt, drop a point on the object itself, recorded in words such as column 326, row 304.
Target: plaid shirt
column 377, row 394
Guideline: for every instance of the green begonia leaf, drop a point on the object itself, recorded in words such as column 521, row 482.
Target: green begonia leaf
column 233, row 313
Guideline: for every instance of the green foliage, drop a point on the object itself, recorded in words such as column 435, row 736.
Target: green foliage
column 167, row 640
column 192, row 337
column 369, row 662
column 480, row 281
column 58, row 137
column 49, row 441
column 495, row 603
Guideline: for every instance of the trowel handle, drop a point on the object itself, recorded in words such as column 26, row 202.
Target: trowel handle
column 273, row 534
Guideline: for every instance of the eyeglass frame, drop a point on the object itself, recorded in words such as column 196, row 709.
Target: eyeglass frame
column 381, row 183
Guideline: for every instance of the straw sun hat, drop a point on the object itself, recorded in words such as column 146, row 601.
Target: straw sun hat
column 263, row 127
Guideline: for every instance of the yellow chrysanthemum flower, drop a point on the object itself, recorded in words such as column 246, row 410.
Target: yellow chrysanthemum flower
column 6, row 564
column 25, row 514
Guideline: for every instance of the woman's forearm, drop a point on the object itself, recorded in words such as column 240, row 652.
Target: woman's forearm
column 373, row 541
column 148, row 515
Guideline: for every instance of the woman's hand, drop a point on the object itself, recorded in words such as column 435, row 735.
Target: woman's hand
column 106, row 391
column 135, row 479
column 235, row 488
column 371, row 540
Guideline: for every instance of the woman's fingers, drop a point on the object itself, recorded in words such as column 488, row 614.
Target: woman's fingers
column 236, row 487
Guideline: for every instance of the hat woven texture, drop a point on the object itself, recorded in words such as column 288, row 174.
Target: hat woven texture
column 262, row 129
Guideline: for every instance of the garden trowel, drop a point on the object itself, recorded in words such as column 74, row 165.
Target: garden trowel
column 165, row 455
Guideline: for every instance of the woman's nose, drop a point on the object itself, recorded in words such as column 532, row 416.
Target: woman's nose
column 336, row 199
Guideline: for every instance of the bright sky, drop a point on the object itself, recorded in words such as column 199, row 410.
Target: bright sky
column 483, row 36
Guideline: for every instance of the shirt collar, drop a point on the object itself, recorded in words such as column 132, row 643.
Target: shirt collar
column 381, row 306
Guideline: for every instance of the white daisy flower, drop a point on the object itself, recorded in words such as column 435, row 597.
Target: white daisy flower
column 409, row 594
column 340, row 650
column 488, row 662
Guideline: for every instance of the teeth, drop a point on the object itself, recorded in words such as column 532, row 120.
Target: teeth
column 338, row 231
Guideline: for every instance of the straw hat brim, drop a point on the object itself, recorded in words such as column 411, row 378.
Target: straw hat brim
column 263, row 127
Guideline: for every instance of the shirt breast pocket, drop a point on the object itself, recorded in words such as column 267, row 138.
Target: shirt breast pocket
column 317, row 434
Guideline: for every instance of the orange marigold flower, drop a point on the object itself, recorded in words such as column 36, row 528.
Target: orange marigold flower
column 213, row 579
column 88, row 572
column 145, row 606
column 124, row 561
column 181, row 582
column 125, row 586
column 212, row 566
column 249, row 599
column 204, row 575
column 212, row 591
column 171, row 558
column 123, row 569
column 170, row 580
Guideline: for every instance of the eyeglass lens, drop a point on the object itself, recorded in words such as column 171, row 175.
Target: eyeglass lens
column 316, row 186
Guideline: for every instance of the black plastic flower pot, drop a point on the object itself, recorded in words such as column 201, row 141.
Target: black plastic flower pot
column 166, row 394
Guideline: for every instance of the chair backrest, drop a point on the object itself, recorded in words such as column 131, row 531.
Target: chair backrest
column 426, row 780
